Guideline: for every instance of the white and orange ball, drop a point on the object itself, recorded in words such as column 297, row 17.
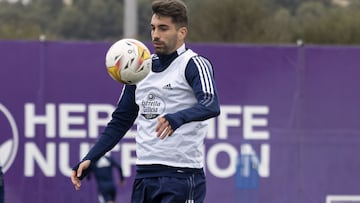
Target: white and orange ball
column 128, row 61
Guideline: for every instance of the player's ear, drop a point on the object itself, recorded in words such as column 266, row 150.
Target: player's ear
column 182, row 32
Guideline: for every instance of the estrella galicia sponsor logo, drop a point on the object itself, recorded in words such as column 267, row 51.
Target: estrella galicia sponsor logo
column 152, row 106
column 9, row 138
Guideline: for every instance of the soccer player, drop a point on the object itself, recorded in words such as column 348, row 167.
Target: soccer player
column 103, row 173
column 171, row 106
column 1, row 186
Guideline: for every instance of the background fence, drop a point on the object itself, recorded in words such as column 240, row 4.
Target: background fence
column 293, row 110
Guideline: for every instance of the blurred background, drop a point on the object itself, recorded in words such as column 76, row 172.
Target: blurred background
column 232, row 21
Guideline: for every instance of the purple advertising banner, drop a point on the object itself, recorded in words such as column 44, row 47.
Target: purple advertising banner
column 288, row 132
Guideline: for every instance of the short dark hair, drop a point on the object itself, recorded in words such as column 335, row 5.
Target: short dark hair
column 176, row 9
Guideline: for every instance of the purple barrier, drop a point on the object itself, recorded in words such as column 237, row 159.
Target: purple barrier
column 288, row 132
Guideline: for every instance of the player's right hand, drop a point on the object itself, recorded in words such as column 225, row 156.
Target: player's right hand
column 76, row 175
column 163, row 128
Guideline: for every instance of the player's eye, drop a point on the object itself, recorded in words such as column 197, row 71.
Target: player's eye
column 163, row 28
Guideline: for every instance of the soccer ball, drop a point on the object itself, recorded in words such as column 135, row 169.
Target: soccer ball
column 128, row 61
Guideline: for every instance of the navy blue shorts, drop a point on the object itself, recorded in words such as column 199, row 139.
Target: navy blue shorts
column 1, row 186
column 109, row 195
column 166, row 189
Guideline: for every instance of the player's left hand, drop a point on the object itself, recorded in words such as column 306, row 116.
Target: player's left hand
column 163, row 128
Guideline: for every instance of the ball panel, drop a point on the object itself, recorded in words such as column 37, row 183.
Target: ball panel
column 128, row 61
column 114, row 73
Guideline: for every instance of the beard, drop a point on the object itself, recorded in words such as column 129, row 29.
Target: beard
column 162, row 48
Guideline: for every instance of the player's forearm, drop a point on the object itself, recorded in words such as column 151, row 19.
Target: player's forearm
column 199, row 112
column 122, row 120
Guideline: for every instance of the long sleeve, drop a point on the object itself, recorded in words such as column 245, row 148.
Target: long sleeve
column 199, row 74
column 122, row 119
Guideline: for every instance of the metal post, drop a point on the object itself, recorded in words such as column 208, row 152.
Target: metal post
column 130, row 19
